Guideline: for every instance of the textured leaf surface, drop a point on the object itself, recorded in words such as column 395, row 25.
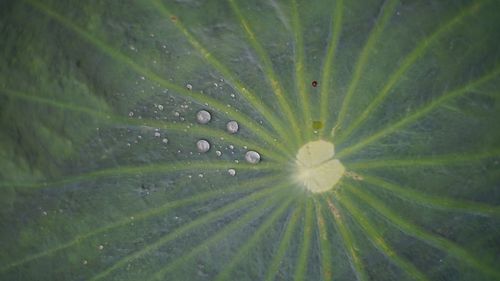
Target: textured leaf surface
column 101, row 178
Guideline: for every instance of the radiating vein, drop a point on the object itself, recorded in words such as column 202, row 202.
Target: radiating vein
column 455, row 159
column 254, row 100
column 378, row 241
column 184, row 229
column 300, row 68
column 268, row 71
column 325, row 86
column 162, row 209
column 432, row 201
column 283, row 245
column 245, row 249
column 197, row 130
column 324, row 244
column 305, row 247
column 383, row 19
column 224, row 232
column 349, row 243
column 419, row 233
column 419, row 113
column 408, row 61
column 200, row 166
column 120, row 57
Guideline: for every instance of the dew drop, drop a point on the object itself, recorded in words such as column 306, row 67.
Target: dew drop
column 203, row 117
column 252, row 157
column 101, row 247
column 189, row 86
column 131, row 113
column 165, row 140
column 157, row 134
column 231, row 146
column 203, row 146
column 232, row 127
column 231, row 172
column 160, row 107
column 218, row 152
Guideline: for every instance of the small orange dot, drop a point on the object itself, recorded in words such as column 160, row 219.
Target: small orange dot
column 173, row 18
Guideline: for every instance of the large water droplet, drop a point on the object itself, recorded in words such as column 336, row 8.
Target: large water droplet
column 232, row 127
column 252, row 157
column 203, row 117
column 203, row 146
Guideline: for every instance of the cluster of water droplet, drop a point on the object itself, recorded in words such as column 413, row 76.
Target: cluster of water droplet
column 204, row 117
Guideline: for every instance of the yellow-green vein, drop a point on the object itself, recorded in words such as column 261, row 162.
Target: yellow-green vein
column 205, row 196
column 305, row 247
column 195, row 130
column 300, row 68
column 407, row 63
column 195, row 96
column 184, row 229
column 455, row 159
column 199, row 166
column 224, row 232
column 254, row 100
column 251, row 243
column 324, row 244
column 386, row 13
column 417, row 232
column 349, row 242
column 438, row 202
column 419, row 113
column 269, row 73
column 283, row 245
column 378, row 241
column 325, row 86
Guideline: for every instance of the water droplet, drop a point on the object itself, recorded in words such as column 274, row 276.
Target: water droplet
column 232, row 127
column 233, row 96
column 203, row 146
column 252, row 157
column 131, row 113
column 218, row 152
column 165, row 140
column 200, row 175
column 157, row 134
column 231, row 172
column 160, row 107
column 203, row 117
column 189, row 86
column 85, row 262
column 101, row 247
column 231, row 146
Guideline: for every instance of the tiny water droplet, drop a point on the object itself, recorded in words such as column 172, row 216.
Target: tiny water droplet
column 101, row 247
column 218, row 152
column 131, row 113
column 189, row 86
column 160, row 107
column 231, row 172
column 203, row 146
column 203, row 117
column 165, row 140
column 200, row 175
column 252, row 157
column 232, row 127
column 157, row 134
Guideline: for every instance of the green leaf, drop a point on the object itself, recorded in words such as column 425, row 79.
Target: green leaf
column 367, row 146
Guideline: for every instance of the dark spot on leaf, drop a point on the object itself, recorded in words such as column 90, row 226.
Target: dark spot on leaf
column 314, row 83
